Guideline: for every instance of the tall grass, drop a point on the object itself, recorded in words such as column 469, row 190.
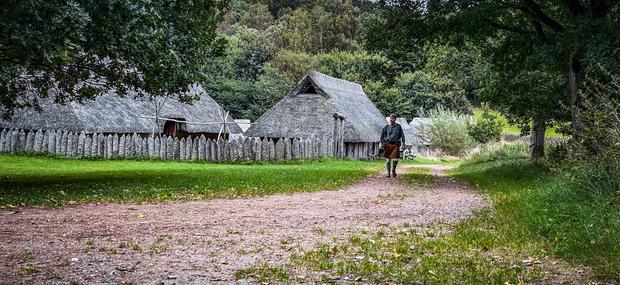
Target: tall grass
column 570, row 213
column 498, row 151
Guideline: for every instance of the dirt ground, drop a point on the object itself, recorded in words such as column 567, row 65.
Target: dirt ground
column 206, row 242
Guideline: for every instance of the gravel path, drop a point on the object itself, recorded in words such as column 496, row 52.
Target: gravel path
column 207, row 241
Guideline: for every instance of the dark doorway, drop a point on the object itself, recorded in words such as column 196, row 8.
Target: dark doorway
column 174, row 129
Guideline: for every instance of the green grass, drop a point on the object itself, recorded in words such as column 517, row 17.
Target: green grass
column 509, row 129
column 417, row 175
column 543, row 212
column 538, row 215
column 429, row 160
column 47, row 181
column 408, row 256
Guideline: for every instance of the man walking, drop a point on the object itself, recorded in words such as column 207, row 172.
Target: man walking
column 392, row 139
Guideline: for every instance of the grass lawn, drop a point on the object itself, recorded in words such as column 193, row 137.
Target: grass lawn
column 537, row 216
column 47, row 181
column 540, row 211
column 509, row 129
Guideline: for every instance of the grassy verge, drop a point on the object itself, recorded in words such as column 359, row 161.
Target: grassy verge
column 541, row 226
column 468, row 253
column 428, row 160
column 534, row 205
column 47, row 181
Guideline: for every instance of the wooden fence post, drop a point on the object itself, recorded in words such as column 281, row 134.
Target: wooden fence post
column 88, row 146
column 169, row 148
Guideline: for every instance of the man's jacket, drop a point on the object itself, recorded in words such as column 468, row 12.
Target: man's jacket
column 393, row 133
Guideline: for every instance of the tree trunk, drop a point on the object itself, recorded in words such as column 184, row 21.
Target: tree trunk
column 537, row 137
column 573, row 85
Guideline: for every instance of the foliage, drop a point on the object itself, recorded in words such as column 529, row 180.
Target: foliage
column 538, row 51
column 534, row 205
column 487, row 128
column 82, row 49
column 30, row 181
column 424, row 93
column 599, row 177
column 599, row 117
column 448, row 132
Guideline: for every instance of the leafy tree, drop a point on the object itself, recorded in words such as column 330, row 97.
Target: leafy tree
column 298, row 34
column 232, row 94
column 425, row 93
column 270, row 88
column 291, row 64
column 258, row 17
column 82, row 49
column 487, row 128
column 250, row 49
column 522, row 38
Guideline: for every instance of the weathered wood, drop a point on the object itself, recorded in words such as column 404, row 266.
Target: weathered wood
column 156, row 147
column 88, row 148
column 22, row 140
column 37, row 140
column 228, row 150
column 201, row 149
column 150, row 141
column 195, row 149
column 279, row 150
column 212, row 150
column 169, row 148
column 188, row 148
column 80, row 144
column 221, row 150
column 108, row 146
column 12, row 141
column 163, row 147
column 3, row 141
column 64, row 144
column 115, row 145
column 126, row 144
column 121, row 146
column 182, row 150
column 208, row 150
column 175, row 149
column 45, row 141
column 9, row 141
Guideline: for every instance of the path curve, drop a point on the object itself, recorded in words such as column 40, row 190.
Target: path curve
column 208, row 241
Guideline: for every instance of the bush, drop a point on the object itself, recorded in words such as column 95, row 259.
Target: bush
column 487, row 128
column 448, row 132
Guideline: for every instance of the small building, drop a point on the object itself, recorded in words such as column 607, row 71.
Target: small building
column 110, row 113
column 324, row 107
column 420, row 143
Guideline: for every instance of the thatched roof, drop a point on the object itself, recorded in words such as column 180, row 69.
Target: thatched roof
column 110, row 113
column 417, row 127
column 308, row 111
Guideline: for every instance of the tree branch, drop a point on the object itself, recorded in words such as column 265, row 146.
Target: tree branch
column 533, row 9
column 507, row 28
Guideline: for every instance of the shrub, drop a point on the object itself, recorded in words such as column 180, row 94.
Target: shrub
column 487, row 128
column 448, row 132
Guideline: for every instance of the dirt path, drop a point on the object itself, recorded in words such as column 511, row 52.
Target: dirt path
column 207, row 241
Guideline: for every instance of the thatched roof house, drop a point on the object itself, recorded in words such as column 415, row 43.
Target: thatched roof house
column 417, row 126
column 309, row 109
column 110, row 113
